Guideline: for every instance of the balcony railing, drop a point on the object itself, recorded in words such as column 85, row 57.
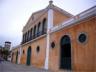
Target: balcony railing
column 35, row 36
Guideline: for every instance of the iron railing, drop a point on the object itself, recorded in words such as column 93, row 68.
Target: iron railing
column 34, row 36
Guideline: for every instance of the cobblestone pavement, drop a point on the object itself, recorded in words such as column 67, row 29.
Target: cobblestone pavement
column 9, row 67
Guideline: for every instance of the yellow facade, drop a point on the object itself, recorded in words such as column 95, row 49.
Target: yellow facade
column 16, row 54
column 82, row 54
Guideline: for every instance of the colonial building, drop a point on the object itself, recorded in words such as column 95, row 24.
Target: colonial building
column 55, row 39
column 7, row 45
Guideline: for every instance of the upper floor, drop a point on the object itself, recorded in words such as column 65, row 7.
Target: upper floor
column 38, row 22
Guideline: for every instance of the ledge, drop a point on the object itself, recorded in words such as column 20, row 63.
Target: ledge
column 34, row 39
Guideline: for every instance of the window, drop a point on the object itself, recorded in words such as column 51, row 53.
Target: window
column 23, row 51
column 38, row 30
column 38, row 49
column 52, row 44
column 34, row 31
column 82, row 38
column 31, row 31
column 28, row 35
column 44, row 26
column 23, row 39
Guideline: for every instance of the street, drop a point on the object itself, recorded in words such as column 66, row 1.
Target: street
column 9, row 67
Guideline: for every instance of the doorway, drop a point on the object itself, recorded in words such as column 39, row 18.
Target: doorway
column 28, row 56
column 17, row 57
column 65, row 53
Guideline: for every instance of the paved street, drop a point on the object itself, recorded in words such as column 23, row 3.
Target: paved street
column 9, row 67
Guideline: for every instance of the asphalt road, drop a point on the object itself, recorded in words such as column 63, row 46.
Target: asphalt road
column 9, row 67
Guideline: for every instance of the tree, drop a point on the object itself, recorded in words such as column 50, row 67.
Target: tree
column 5, row 54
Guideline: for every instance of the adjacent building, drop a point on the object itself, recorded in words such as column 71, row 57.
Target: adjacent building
column 5, row 50
column 7, row 45
column 57, row 40
column 16, row 54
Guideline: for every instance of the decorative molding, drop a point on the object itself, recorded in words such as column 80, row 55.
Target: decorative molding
column 84, row 43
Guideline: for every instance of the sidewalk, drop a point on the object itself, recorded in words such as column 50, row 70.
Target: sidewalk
column 9, row 67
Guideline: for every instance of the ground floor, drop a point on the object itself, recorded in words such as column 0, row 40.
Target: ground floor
column 10, row 67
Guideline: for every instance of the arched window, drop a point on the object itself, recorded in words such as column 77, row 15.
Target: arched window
column 38, row 30
column 23, row 39
column 44, row 26
column 34, row 34
column 31, row 31
column 28, row 35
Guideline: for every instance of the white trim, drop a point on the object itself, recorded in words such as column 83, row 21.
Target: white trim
column 49, row 26
column 50, row 19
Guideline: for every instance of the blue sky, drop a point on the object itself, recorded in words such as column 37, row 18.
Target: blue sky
column 15, row 13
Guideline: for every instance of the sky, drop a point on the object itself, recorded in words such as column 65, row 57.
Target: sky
column 14, row 14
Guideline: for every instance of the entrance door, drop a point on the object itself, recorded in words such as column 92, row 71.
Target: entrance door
column 17, row 57
column 28, row 56
column 65, row 53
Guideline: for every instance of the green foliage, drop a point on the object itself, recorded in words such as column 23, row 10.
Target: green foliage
column 4, row 53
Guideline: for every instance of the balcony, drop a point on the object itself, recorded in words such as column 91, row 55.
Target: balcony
column 35, row 36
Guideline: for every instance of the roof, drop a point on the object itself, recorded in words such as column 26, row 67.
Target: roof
column 86, row 14
column 8, row 42
column 15, row 47
column 52, row 6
